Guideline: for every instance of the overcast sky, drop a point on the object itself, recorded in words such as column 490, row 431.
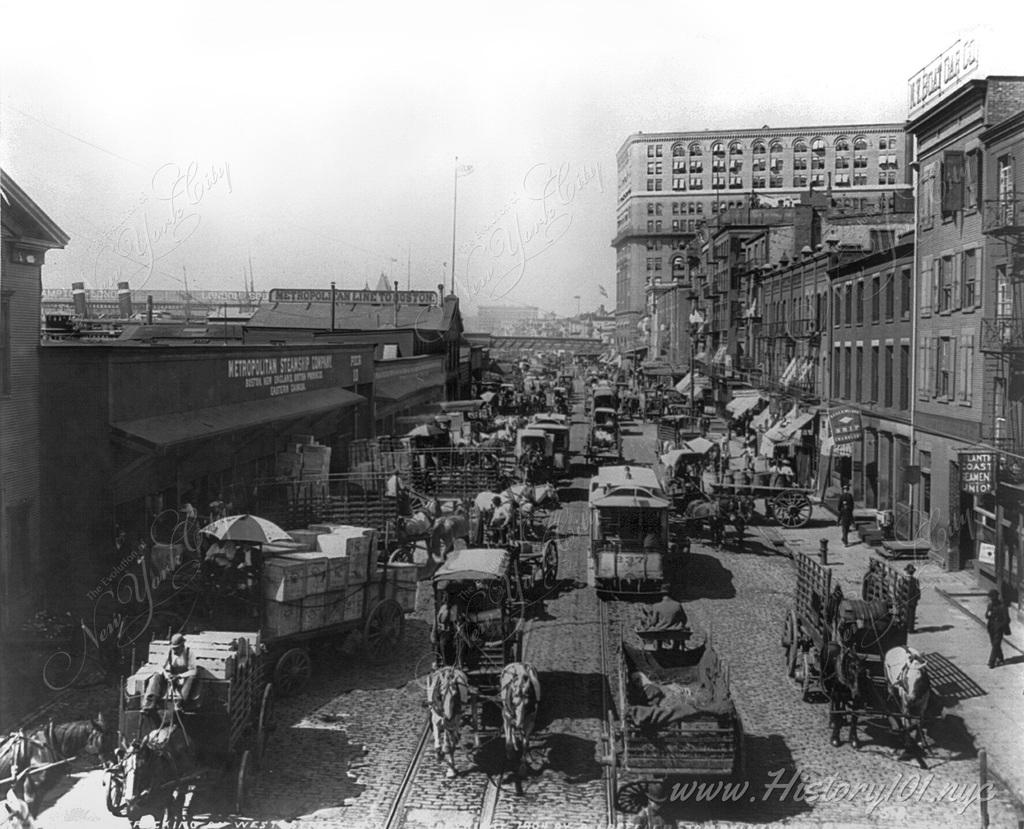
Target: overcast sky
column 321, row 139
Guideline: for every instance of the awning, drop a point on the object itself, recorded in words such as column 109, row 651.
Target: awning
column 787, row 429
column 761, row 419
column 167, row 430
column 788, row 375
column 742, row 404
column 720, row 355
column 398, row 388
column 699, row 384
column 700, row 357
column 805, row 370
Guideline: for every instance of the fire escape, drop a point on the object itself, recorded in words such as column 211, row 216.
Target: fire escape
column 1002, row 334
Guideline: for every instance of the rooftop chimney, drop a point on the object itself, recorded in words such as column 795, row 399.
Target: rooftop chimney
column 124, row 300
column 78, row 297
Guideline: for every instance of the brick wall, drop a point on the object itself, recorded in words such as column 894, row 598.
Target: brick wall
column 1004, row 97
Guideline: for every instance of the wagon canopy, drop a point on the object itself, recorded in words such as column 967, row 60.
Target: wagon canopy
column 474, row 563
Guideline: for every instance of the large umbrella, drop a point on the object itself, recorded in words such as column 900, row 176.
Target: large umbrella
column 487, row 396
column 425, row 430
column 246, row 528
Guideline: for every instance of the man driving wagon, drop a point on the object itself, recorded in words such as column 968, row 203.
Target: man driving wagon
column 177, row 674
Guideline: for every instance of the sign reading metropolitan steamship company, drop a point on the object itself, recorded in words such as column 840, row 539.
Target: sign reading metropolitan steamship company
column 941, row 76
column 349, row 297
column 978, row 472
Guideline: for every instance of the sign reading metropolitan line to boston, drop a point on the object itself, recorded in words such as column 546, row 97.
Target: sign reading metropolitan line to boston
column 978, row 472
column 941, row 76
column 357, row 297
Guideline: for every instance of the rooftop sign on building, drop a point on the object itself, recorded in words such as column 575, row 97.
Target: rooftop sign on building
column 345, row 297
column 942, row 76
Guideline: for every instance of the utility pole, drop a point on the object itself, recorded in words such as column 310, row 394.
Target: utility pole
column 188, row 298
column 408, row 266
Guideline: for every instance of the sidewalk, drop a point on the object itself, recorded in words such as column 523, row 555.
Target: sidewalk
column 951, row 630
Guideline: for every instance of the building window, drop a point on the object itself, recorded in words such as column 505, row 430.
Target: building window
column 759, row 165
column 817, row 162
column 695, row 149
column 1005, row 190
column 887, row 178
column 717, row 165
column 735, row 165
column 904, row 377
column 847, row 371
column 654, row 168
column 818, row 146
column 860, row 302
column 735, row 182
column 758, row 182
column 650, row 208
column 799, row 163
column 889, row 377
column 848, row 302
column 678, row 150
column 842, row 145
column 718, row 182
column 5, row 343
column 675, row 224
column 678, row 165
column 679, row 183
column 700, row 207
column 860, row 143
column 972, row 181
column 696, row 183
column 758, row 148
column 860, row 179
column 945, row 357
column 873, row 390
column 718, row 148
column 858, row 373
column 654, row 150
column 969, row 272
column 842, row 180
column 696, row 165
column 890, row 297
column 927, row 195
column 842, row 162
column 799, row 146
column 799, row 180
column 650, row 225
column 837, row 308
column 860, row 162
column 905, row 296
column 817, row 180
column 736, row 148
column 876, row 290
column 657, row 224
column 887, row 162
column 945, row 296
column 887, row 142
column 836, row 370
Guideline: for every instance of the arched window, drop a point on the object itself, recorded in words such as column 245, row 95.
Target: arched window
column 800, row 146
column 776, row 147
column 718, row 148
column 678, row 150
column 818, row 146
column 860, row 143
column 757, row 148
column 735, row 148
column 842, row 144
column 695, row 149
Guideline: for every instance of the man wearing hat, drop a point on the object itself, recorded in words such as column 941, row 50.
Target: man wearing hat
column 997, row 621
column 178, row 672
column 668, row 614
column 844, row 511
column 913, row 597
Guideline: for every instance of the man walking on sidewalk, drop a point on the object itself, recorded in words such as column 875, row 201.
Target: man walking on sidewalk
column 913, row 597
column 997, row 620
column 844, row 509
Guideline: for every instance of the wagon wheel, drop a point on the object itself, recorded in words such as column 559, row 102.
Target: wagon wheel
column 383, row 631
column 792, row 654
column 116, row 804
column 402, row 554
column 550, row 564
column 292, row 671
column 788, row 630
column 266, row 723
column 805, row 680
column 242, row 786
column 791, row 509
column 632, row 798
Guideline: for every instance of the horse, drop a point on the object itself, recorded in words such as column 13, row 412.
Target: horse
column 447, row 696
column 519, row 688
column 540, row 496
column 906, row 674
column 154, row 776
column 446, row 530
column 844, row 679
column 49, row 746
column 710, row 512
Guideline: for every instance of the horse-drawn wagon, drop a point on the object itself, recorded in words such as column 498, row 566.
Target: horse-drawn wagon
column 675, row 718
column 481, row 599
column 220, row 730
column 604, row 439
column 855, row 650
column 789, row 506
column 630, row 546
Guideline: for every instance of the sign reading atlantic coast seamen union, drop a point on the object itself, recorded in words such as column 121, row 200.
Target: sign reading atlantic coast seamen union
column 846, row 426
column 978, row 472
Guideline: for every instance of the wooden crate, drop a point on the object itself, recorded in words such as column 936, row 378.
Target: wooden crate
column 282, row 618
column 284, row 578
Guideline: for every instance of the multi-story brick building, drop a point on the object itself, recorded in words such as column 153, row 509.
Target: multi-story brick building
column 968, row 279
column 669, row 183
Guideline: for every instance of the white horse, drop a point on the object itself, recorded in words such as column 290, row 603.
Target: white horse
column 543, row 496
column 906, row 672
column 520, row 699
column 447, row 696
column 447, row 529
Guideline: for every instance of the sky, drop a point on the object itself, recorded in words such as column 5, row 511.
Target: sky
column 178, row 143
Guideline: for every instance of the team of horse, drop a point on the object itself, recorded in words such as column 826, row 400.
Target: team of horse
column 449, row 694
column 715, row 512
column 35, row 760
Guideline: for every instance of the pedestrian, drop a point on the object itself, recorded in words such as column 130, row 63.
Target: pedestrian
column 844, row 511
column 913, row 597
column 997, row 620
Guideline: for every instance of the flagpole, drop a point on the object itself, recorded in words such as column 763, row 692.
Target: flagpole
column 455, row 207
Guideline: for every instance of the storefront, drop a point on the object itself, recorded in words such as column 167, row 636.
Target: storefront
column 158, row 428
